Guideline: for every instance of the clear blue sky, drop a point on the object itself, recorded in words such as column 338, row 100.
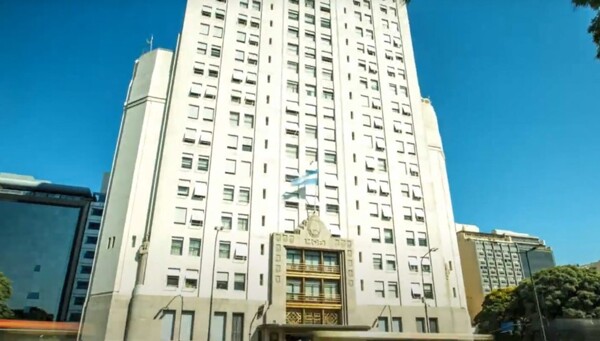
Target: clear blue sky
column 514, row 83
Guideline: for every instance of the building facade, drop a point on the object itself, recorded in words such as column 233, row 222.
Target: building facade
column 202, row 237
column 42, row 226
column 497, row 260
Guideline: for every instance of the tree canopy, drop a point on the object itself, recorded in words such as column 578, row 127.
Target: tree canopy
column 594, row 27
column 563, row 291
column 5, row 293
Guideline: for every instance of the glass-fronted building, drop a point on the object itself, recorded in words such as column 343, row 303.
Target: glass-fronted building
column 41, row 231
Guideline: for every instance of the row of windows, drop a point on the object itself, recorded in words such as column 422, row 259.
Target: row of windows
column 186, row 324
column 392, row 290
column 390, row 263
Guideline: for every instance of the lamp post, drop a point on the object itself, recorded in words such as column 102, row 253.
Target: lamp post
column 212, row 284
column 537, row 301
column 423, row 287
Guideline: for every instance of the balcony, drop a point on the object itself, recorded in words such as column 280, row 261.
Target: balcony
column 321, row 298
column 318, row 268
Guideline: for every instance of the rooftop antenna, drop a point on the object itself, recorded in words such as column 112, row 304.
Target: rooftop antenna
column 150, row 41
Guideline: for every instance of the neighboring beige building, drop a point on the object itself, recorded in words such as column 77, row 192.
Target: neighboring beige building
column 497, row 260
column 256, row 94
column 594, row 265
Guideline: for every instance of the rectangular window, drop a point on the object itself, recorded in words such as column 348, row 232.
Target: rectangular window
column 382, row 324
column 330, row 157
column 397, row 324
column 176, row 246
column 242, row 222
column 202, row 163
column 237, row 327
column 222, row 280
column 167, row 324
column 228, row 193
column 379, row 289
column 226, row 220
column 428, row 290
column 230, row 166
column 410, row 238
column 377, row 262
column 172, row 278
column 393, row 289
column 244, row 196
column 187, row 326
column 247, row 144
column 180, row 215
column 239, row 282
column 375, row 235
column 422, row 238
column 248, row 121
column 420, row 325
column 194, row 247
column 291, row 151
column 433, row 325
column 224, row 249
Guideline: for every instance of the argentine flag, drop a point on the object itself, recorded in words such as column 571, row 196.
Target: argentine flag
column 311, row 178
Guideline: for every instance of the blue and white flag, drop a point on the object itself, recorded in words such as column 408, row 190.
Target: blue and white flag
column 311, row 178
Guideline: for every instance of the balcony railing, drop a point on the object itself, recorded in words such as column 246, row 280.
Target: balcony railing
column 302, row 267
column 321, row 298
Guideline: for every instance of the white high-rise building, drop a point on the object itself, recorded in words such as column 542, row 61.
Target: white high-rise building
column 203, row 234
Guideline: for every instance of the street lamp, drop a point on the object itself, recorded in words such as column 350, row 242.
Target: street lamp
column 212, row 284
column 537, row 301
column 434, row 249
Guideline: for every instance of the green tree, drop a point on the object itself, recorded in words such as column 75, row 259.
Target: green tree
column 563, row 291
column 594, row 27
column 5, row 293
column 495, row 309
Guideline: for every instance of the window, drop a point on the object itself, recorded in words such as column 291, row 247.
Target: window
column 194, row 247
column 239, row 55
column 228, row 193
column 222, row 280
column 167, row 325
column 172, row 278
column 226, row 221
column 201, row 49
column 292, row 48
column 176, row 246
column 190, row 135
column 247, row 144
column 215, row 51
column 382, row 165
column 293, row 15
column 397, row 324
column 382, row 324
column 413, row 264
column 244, row 197
column 309, row 19
column 224, row 249
column 422, row 236
column 291, row 151
column 187, row 325
column 428, row 290
column 180, row 215
column 193, row 111
column 191, row 279
column 379, row 289
column 433, row 325
column 204, row 28
column 377, row 262
column 239, row 282
column 426, row 265
column 237, row 328
column 415, row 289
column 410, row 238
column 241, row 37
column 375, row 235
column 242, row 222
column 420, row 325
column 330, row 157
column 217, row 32
column 248, row 121
column 390, row 263
column 388, row 236
column 393, row 290
column 292, row 87
column 311, row 90
column 208, row 114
